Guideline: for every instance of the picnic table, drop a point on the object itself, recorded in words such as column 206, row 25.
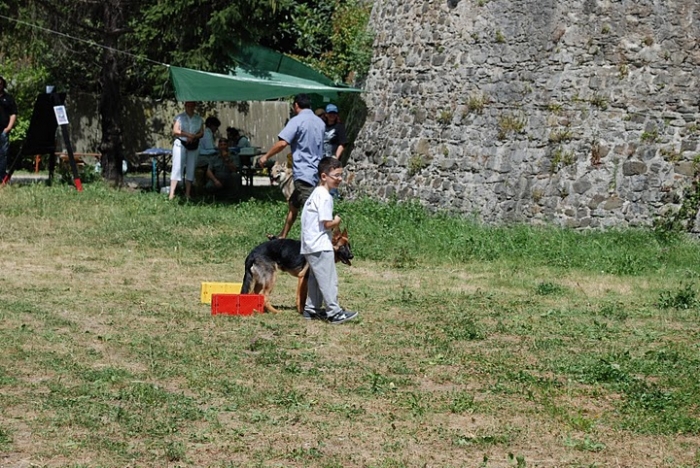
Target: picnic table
column 160, row 157
column 246, row 160
column 79, row 158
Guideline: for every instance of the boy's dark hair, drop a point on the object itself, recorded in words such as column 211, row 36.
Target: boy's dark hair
column 327, row 164
column 212, row 122
column 303, row 101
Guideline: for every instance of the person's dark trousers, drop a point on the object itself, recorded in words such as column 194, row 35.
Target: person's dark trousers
column 4, row 150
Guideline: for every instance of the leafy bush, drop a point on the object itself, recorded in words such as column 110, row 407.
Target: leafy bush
column 24, row 83
column 333, row 37
column 683, row 298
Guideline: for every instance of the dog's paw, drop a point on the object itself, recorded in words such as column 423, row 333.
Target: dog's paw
column 271, row 236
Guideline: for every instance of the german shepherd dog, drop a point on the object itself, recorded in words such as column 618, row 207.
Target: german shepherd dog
column 282, row 175
column 263, row 261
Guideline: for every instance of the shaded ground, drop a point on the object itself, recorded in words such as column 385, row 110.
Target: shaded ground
column 142, row 181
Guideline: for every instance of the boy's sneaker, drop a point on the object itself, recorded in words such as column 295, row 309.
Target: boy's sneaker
column 308, row 315
column 341, row 317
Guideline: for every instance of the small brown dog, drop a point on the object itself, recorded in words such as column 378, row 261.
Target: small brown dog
column 263, row 261
column 282, row 176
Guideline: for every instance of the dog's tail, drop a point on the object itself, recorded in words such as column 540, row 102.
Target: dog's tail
column 248, row 276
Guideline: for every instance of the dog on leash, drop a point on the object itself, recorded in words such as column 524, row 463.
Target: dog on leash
column 263, row 261
column 282, row 176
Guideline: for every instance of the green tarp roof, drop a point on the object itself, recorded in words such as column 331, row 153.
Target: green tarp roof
column 254, row 57
column 241, row 85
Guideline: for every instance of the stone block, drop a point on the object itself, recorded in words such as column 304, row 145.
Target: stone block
column 572, row 223
column 647, row 154
column 630, row 168
column 419, row 116
column 581, row 186
column 656, row 167
column 379, row 115
column 438, row 60
column 595, row 201
column 448, row 164
column 684, row 168
column 689, row 145
column 613, row 203
column 638, row 184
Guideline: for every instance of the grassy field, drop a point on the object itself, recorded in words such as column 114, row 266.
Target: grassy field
column 476, row 346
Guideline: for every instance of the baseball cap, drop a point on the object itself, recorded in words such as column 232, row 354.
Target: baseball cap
column 331, row 108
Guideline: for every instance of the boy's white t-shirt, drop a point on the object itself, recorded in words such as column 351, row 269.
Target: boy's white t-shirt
column 317, row 209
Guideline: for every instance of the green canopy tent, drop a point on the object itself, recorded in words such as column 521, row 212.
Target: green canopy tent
column 242, row 85
column 254, row 57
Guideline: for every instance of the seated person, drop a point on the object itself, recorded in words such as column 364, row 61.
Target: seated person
column 222, row 176
column 207, row 150
column 236, row 138
column 207, row 145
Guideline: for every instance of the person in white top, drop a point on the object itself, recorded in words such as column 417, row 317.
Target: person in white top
column 317, row 224
column 188, row 128
column 207, row 145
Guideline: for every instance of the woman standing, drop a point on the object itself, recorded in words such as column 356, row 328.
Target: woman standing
column 187, row 130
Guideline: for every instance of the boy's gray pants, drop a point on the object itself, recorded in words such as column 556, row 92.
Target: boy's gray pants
column 323, row 284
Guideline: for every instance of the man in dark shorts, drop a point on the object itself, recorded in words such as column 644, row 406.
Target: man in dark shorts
column 304, row 133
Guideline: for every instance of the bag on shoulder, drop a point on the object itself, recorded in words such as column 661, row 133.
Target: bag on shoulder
column 192, row 145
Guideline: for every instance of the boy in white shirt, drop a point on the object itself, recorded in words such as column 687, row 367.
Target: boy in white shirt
column 317, row 224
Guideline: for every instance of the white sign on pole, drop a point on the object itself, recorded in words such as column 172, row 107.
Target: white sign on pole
column 61, row 115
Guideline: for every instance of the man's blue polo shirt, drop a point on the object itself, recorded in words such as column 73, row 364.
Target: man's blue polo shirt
column 304, row 133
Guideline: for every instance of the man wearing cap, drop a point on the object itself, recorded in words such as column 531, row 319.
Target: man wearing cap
column 8, row 117
column 335, row 136
column 304, row 134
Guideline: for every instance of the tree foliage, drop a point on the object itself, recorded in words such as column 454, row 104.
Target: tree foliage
column 119, row 47
column 331, row 36
column 20, row 65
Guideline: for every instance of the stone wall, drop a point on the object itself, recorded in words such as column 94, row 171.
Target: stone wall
column 579, row 113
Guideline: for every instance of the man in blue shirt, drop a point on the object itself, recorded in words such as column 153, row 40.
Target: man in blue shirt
column 304, row 133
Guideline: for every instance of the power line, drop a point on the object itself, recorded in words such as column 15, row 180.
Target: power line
column 92, row 43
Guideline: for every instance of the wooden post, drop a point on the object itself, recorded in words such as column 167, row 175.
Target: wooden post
column 69, row 146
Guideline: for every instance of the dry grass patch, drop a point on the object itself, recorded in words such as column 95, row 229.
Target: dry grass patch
column 110, row 359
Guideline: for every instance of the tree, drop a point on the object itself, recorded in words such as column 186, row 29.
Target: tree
column 85, row 49
column 111, row 97
column 72, row 58
column 330, row 36
column 83, row 53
